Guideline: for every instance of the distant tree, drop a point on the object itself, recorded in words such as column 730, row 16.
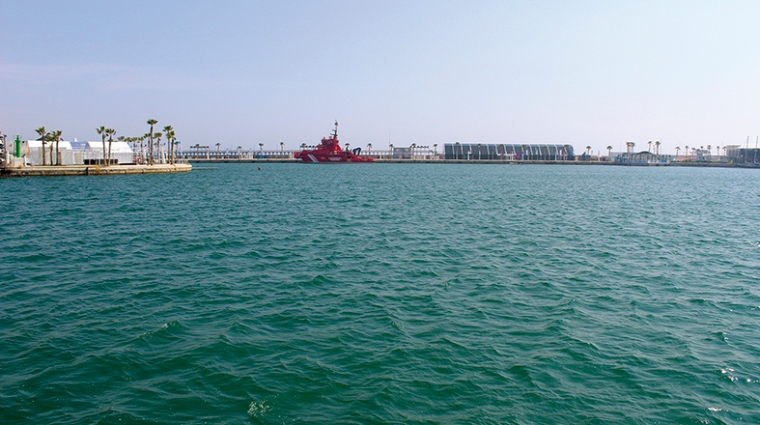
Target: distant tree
column 50, row 138
column 169, row 132
column 151, row 156
column 175, row 144
column 157, row 150
column 43, row 137
column 110, row 132
column 57, row 139
column 609, row 151
column 144, row 154
column 102, row 131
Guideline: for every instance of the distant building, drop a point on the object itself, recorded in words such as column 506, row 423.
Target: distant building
column 475, row 152
column 747, row 153
column 74, row 153
column 641, row 158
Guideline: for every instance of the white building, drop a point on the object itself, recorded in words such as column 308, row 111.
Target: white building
column 75, row 153
column 33, row 151
column 121, row 152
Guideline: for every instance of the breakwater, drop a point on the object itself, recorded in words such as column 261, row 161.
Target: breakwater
column 92, row 170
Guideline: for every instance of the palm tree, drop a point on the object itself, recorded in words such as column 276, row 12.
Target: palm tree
column 175, row 144
column 110, row 132
column 414, row 147
column 151, row 160
column 43, row 137
column 169, row 131
column 158, row 135
column 57, row 138
column 609, row 151
column 282, row 146
column 650, row 146
column 261, row 148
column 369, row 148
column 479, row 154
column 102, row 131
column 144, row 155
column 303, row 145
column 49, row 138
column 678, row 149
column 687, row 150
column 391, row 148
column 588, row 152
column 435, row 149
column 657, row 147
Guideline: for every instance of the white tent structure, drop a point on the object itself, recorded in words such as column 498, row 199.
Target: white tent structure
column 33, row 151
column 73, row 153
column 121, row 153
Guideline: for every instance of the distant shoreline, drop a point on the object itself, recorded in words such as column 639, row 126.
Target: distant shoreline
column 462, row 161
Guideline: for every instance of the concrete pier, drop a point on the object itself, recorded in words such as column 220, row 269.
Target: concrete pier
column 92, row 170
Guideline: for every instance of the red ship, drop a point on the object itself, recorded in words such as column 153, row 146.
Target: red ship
column 330, row 151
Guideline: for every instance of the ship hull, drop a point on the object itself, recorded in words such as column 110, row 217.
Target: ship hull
column 332, row 158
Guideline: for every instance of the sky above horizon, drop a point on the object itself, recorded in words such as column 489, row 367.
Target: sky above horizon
column 240, row 73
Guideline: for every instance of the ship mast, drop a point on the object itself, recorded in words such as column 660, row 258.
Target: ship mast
column 335, row 132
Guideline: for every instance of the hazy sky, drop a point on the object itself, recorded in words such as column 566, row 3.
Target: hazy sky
column 583, row 73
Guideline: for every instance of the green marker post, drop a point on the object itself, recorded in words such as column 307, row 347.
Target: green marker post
column 18, row 147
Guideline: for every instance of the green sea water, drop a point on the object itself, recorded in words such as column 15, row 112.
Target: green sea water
column 382, row 294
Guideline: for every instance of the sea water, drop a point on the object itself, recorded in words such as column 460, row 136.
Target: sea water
column 382, row 293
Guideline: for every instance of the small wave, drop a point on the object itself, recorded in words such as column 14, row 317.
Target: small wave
column 258, row 408
column 166, row 327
